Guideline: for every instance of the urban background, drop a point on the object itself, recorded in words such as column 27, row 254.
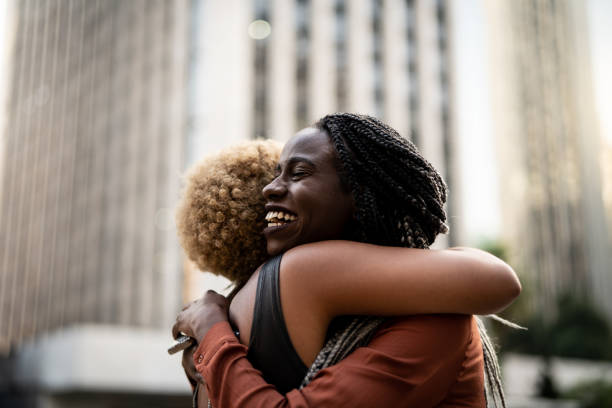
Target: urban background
column 105, row 103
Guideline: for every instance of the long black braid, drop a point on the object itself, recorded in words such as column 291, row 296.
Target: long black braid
column 399, row 199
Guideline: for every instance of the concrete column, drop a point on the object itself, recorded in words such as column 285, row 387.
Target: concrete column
column 360, row 68
column 322, row 70
column 226, row 93
column 431, row 136
column 281, row 109
column 396, row 81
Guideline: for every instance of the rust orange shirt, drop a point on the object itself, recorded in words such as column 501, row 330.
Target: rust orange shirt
column 412, row 361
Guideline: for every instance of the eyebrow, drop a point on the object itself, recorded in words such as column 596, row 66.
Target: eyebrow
column 297, row 159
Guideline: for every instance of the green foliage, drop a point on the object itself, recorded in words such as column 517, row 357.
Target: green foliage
column 496, row 248
column 579, row 331
column 592, row 394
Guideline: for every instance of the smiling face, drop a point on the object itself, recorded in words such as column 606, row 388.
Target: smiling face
column 306, row 202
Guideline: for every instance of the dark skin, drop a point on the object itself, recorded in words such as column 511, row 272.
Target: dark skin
column 307, row 185
column 310, row 172
column 307, row 169
column 345, row 277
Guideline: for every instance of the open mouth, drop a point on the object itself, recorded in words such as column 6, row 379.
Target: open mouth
column 279, row 218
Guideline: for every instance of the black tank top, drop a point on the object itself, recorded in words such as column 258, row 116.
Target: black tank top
column 270, row 348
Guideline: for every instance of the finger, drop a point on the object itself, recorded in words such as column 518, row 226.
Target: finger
column 188, row 366
column 213, row 297
column 176, row 331
column 188, row 305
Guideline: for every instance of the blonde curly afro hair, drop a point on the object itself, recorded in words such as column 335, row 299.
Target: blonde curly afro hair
column 220, row 217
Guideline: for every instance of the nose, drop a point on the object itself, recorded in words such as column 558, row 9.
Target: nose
column 275, row 190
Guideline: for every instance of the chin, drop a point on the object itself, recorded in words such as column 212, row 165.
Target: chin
column 274, row 249
column 278, row 247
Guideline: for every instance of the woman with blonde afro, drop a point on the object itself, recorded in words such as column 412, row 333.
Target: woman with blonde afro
column 220, row 221
column 221, row 216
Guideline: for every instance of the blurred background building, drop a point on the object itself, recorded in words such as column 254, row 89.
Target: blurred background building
column 109, row 101
column 549, row 146
column 94, row 143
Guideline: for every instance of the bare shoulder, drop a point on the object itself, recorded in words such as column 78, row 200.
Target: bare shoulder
column 242, row 307
column 320, row 257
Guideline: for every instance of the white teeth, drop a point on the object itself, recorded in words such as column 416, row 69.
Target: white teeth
column 279, row 216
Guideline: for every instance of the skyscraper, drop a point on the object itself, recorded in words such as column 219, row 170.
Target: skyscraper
column 93, row 150
column 390, row 59
column 549, row 149
column 110, row 100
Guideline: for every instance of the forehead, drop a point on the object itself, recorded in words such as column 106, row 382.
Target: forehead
column 310, row 143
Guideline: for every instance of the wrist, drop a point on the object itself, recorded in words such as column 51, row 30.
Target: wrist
column 214, row 318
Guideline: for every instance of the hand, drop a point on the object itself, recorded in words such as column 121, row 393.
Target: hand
column 200, row 315
column 192, row 374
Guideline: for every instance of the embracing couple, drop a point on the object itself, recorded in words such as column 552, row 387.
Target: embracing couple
column 339, row 302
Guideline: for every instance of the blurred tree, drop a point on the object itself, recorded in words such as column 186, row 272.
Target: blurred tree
column 496, row 248
column 592, row 394
column 578, row 331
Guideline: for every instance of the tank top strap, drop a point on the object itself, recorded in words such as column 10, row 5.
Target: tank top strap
column 270, row 347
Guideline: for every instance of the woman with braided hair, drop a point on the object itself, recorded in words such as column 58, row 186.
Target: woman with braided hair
column 352, row 177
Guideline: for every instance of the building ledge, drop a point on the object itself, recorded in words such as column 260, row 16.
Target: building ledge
column 97, row 358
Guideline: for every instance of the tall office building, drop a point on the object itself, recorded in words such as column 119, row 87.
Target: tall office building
column 306, row 58
column 281, row 65
column 550, row 149
column 93, row 150
column 110, row 100
column 606, row 161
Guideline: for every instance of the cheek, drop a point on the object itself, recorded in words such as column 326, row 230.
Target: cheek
column 336, row 214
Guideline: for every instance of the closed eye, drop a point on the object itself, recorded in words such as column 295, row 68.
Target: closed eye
column 298, row 174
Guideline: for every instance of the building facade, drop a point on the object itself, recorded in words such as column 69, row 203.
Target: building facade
column 390, row 59
column 109, row 101
column 549, row 149
column 93, row 153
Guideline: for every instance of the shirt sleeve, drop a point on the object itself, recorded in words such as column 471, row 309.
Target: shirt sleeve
column 411, row 361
